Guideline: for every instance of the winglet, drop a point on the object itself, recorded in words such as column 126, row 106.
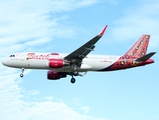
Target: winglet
column 103, row 30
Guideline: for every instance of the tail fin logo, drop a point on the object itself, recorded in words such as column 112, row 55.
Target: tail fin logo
column 139, row 49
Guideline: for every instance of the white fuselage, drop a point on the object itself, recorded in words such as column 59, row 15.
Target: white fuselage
column 33, row 60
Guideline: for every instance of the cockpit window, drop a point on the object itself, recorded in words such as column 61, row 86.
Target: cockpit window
column 12, row 56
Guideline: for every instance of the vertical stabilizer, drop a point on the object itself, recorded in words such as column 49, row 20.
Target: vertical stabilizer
column 139, row 49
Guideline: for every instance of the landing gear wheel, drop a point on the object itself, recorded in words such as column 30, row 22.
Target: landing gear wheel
column 73, row 80
column 21, row 75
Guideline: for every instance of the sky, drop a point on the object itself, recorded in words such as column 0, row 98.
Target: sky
column 63, row 26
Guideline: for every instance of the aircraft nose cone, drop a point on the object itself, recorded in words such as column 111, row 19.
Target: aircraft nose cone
column 4, row 62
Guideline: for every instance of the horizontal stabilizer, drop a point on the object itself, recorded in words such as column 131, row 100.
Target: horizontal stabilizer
column 146, row 57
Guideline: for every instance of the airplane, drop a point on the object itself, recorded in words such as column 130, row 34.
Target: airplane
column 59, row 65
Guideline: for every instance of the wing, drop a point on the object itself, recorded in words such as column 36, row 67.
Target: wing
column 77, row 56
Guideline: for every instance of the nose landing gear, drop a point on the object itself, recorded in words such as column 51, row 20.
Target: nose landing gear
column 21, row 74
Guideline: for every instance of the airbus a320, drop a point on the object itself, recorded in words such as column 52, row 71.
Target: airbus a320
column 59, row 65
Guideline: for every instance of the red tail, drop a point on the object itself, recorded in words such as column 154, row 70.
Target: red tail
column 139, row 49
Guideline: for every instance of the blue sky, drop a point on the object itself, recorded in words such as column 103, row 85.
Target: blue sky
column 63, row 26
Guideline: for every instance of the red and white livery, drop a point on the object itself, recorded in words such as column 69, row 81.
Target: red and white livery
column 60, row 65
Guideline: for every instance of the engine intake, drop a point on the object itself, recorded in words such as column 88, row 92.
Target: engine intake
column 54, row 75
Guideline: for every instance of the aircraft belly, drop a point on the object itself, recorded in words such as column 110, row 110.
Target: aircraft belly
column 85, row 66
column 98, row 64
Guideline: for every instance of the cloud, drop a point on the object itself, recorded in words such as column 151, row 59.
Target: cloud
column 32, row 92
column 78, row 103
column 114, row 2
column 27, row 24
column 86, row 109
column 69, row 5
column 138, row 20
column 30, row 23
column 14, row 106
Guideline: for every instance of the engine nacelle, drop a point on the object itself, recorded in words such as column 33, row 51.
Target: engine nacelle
column 54, row 75
column 56, row 63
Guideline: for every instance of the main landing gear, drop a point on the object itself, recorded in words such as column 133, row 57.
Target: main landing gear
column 73, row 80
column 21, row 74
column 74, row 73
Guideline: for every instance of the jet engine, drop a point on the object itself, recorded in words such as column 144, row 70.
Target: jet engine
column 56, row 63
column 54, row 75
